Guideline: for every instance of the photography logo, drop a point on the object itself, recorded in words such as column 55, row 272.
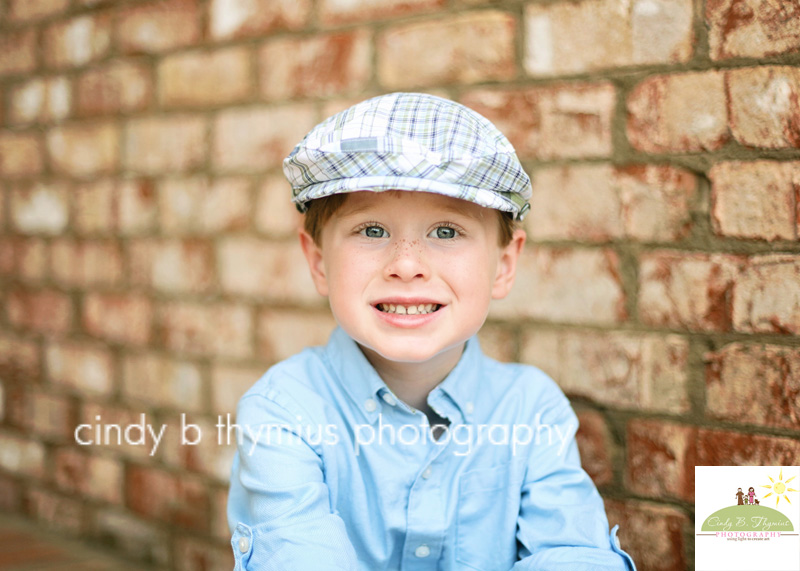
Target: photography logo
column 747, row 518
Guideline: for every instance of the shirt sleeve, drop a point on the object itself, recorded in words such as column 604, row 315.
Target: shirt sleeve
column 279, row 505
column 562, row 522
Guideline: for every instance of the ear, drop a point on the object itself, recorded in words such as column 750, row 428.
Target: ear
column 316, row 266
column 507, row 265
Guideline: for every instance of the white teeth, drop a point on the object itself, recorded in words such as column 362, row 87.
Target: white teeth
column 421, row 309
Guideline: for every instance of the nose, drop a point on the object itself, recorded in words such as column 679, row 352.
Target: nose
column 407, row 261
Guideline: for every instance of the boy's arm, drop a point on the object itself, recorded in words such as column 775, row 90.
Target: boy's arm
column 279, row 506
column 562, row 522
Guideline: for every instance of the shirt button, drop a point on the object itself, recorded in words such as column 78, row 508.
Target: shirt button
column 244, row 544
column 370, row 405
column 469, row 407
column 422, row 551
column 426, row 473
column 389, row 399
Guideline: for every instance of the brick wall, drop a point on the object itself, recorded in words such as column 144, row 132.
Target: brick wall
column 148, row 267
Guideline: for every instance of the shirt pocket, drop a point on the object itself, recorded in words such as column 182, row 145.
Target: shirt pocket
column 486, row 519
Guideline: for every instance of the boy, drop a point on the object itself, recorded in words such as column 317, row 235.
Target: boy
column 399, row 445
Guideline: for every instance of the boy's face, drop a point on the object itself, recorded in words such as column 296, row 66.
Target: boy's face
column 409, row 275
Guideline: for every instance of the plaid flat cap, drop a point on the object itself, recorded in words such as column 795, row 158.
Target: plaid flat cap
column 409, row 141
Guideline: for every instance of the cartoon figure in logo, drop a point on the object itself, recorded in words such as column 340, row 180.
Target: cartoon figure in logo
column 752, row 494
column 745, row 500
column 739, row 496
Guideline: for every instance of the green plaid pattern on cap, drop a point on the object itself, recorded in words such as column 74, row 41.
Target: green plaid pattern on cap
column 409, row 141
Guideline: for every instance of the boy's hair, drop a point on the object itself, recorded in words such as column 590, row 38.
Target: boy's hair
column 320, row 210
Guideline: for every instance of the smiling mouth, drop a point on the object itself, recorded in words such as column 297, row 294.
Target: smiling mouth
column 420, row 309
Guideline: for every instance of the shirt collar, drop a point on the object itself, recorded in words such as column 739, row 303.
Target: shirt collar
column 367, row 390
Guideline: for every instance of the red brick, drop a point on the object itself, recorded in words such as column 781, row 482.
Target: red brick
column 683, row 112
column 564, row 121
column 576, row 37
column 21, row 456
column 467, row 48
column 752, row 28
column 572, row 286
column 165, row 145
column 84, row 149
column 158, row 380
column 652, row 534
column 126, row 206
column 258, row 138
column 754, row 384
column 193, row 553
column 594, row 442
column 764, row 106
column 142, row 541
column 340, row 11
column 40, row 209
column 205, row 78
column 58, row 513
column 78, row 41
column 46, row 311
column 160, row 495
column 755, row 199
column 40, row 100
column 216, row 329
column 275, row 215
column 219, row 517
column 322, row 65
column 602, row 202
column 86, row 263
column 724, row 448
column 688, row 290
column 25, row 258
column 198, row 205
column 121, row 86
column 49, row 416
column 86, row 368
column 111, row 440
column 19, row 51
column 498, row 343
column 204, row 450
column 24, row 10
column 11, row 495
column 21, row 154
column 283, row 333
column 228, row 384
column 119, row 318
column 88, row 475
column 766, row 298
column 172, row 265
column 19, row 360
column 160, row 26
column 244, row 18
column 642, row 371
column 661, row 457
column 271, row 270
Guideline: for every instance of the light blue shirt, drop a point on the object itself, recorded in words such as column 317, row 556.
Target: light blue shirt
column 333, row 472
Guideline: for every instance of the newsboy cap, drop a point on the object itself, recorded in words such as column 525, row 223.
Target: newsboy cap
column 409, row 141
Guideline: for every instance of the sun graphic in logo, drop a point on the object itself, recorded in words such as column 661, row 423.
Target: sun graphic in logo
column 779, row 488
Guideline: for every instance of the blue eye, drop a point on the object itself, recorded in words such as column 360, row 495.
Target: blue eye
column 374, row 232
column 445, row 232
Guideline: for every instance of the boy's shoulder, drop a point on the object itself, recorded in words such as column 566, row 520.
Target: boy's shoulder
column 504, row 379
column 293, row 383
